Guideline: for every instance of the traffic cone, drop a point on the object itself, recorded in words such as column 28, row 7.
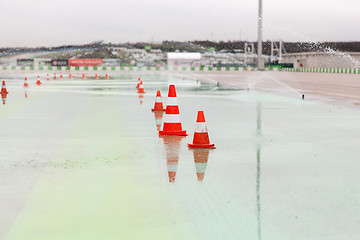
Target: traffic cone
column 172, row 122
column 106, row 77
column 172, row 149
column 3, row 88
column 38, row 81
column 83, row 76
column 158, row 119
column 47, row 77
column 69, row 75
column 96, row 76
column 141, row 88
column 61, row 76
column 138, row 84
column 201, row 157
column 201, row 137
column 26, row 83
column 3, row 96
column 54, row 76
column 158, row 103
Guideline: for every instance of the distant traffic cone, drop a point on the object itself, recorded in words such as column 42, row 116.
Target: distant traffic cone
column 26, row 83
column 61, row 76
column 141, row 88
column 172, row 122
column 201, row 157
column 38, row 81
column 138, row 84
column 172, row 149
column 158, row 103
column 106, row 77
column 69, row 75
column 3, row 88
column 3, row 96
column 83, row 76
column 201, row 137
column 158, row 119
column 47, row 77
column 54, row 76
column 96, row 76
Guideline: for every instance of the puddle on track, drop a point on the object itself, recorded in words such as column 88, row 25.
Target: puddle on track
column 81, row 159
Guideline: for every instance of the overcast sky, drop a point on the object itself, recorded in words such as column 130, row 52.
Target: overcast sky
column 52, row 23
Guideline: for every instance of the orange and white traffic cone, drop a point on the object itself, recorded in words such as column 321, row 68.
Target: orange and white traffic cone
column 83, row 76
column 172, row 122
column 201, row 157
column 201, row 136
column 38, row 81
column 3, row 96
column 158, row 106
column 96, row 76
column 47, row 77
column 141, row 88
column 61, row 76
column 3, row 88
column 54, row 76
column 138, row 84
column 106, row 77
column 26, row 83
column 158, row 119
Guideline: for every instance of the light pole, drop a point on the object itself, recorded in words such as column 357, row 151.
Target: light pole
column 260, row 59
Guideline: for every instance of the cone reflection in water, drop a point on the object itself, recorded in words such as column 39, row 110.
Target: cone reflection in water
column 3, row 97
column 158, row 106
column 26, row 94
column 141, row 98
column 201, row 157
column 172, row 148
column 158, row 119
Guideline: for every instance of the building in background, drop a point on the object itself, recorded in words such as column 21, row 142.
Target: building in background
column 183, row 59
column 322, row 59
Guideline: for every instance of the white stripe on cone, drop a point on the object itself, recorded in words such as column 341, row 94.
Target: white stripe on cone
column 171, row 101
column 172, row 118
column 200, row 127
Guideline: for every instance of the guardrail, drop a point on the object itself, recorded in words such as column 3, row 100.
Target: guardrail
column 179, row 69
column 324, row 70
column 118, row 68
